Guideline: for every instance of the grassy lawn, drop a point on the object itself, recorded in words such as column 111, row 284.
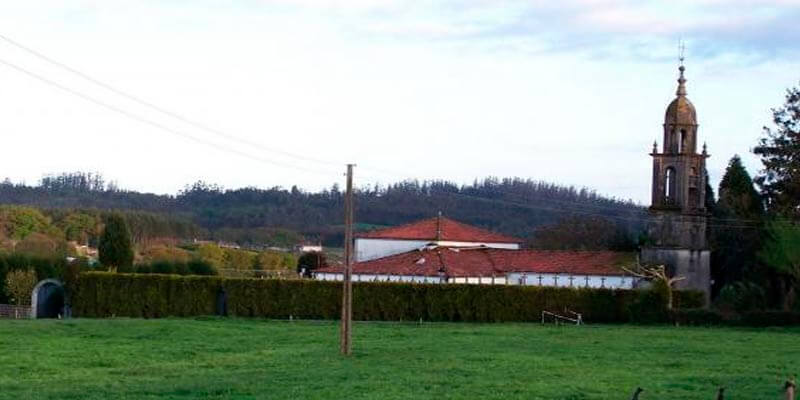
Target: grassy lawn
column 245, row 359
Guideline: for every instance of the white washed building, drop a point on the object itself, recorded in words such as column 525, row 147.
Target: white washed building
column 490, row 266
column 438, row 231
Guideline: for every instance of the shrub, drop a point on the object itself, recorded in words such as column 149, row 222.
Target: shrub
column 698, row 316
column 44, row 268
column 137, row 295
column 20, row 284
column 770, row 318
column 742, row 297
column 42, row 246
column 199, row 267
column 193, row 267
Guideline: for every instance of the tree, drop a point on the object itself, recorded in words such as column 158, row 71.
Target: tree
column 736, row 229
column 583, row 233
column 274, row 261
column 212, row 254
column 80, row 227
column 167, row 253
column 19, row 222
column 238, row 259
column 657, row 274
column 19, row 285
column 779, row 149
column 737, row 195
column 116, row 250
column 40, row 245
column 781, row 252
column 310, row 261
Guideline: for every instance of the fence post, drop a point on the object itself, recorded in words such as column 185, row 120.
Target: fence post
column 789, row 387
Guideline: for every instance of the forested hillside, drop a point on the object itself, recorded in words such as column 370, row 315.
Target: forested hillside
column 511, row 205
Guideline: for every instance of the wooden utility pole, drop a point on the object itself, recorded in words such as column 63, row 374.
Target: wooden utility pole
column 347, row 284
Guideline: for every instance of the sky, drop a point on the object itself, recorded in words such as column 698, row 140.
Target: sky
column 156, row 95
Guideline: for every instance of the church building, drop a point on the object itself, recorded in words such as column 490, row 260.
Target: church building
column 677, row 227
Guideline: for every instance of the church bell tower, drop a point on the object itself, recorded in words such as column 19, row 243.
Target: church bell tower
column 677, row 226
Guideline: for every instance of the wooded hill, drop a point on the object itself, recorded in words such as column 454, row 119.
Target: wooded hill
column 512, row 206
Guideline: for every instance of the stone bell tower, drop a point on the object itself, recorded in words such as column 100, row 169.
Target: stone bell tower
column 677, row 226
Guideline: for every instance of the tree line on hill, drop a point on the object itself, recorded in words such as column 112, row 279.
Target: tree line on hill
column 281, row 217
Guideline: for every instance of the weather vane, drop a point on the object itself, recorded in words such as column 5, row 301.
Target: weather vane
column 681, row 51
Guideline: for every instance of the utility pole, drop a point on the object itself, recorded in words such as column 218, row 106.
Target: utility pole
column 347, row 284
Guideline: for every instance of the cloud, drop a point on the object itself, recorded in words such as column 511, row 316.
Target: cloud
column 754, row 29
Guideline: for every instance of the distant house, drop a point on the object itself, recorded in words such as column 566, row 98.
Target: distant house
column 308, row 248
column 440, row 250
column 438, row 231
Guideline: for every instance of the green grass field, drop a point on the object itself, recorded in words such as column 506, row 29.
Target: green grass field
column 247, row 359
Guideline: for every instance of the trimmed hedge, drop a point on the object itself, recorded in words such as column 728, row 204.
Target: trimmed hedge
column 102, row 294
column 703, row 317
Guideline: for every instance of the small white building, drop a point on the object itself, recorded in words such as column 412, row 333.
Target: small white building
column 438, row 231
column 308, row 248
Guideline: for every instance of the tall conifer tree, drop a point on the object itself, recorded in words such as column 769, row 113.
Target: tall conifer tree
column 116, row 250
column 736, row 227
column 779, row 150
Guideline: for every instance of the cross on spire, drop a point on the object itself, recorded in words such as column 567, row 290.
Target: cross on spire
column 681, row 80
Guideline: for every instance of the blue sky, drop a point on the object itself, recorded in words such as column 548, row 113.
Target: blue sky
column 571, row 91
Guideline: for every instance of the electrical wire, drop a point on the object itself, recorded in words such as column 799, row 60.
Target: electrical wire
column 157, row 125
column 162, row 110
column 172, row 114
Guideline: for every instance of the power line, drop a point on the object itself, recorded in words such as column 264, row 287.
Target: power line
column 162, row 110
column 644, row 218
column 720, row 222
column 154, row 124
column 288, row 154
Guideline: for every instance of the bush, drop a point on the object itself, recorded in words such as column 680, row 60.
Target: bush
column 698, row 316
column 20, row 284
column 44, row 268
column 704, row 317
column 193, row 267
column 101, row 294
column 742, row 297
column 770, row 318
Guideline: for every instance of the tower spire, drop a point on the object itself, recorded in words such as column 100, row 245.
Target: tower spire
column 681, row 80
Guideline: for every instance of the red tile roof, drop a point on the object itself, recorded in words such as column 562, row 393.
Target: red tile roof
column 448, row 230
column 484, row 261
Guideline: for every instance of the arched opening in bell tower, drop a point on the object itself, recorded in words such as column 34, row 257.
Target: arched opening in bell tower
column 669, row 185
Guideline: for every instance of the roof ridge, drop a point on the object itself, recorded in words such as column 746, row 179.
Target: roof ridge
column 442, row 229
column 398, row 226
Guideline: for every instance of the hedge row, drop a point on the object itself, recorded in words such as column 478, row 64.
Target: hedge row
column 704, row 317
column 99, row 294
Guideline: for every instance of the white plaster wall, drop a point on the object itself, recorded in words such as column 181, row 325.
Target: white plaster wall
column 562, row 280
column 324, row 276
column 370, row 249
column 509, row 246
column 514, row 278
